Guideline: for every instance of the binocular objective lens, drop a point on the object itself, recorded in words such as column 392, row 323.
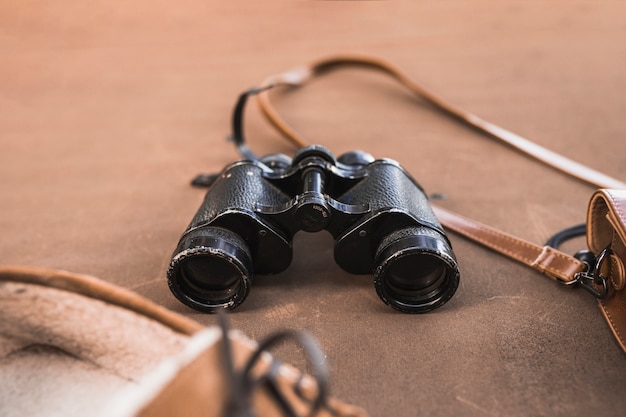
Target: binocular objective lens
column 415, row 270
column 415, row 275
column 211, row 269
column 210, row 277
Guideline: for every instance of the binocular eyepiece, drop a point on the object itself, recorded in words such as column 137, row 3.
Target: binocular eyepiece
column 376, row 212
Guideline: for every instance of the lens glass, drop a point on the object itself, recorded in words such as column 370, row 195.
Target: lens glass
column 415, row 275
column 416, row 270
column 212, row 278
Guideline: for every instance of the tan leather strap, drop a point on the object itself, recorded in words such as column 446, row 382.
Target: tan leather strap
column 101, row 290
column 549, row 261
column 299, row 76
column 545, row 259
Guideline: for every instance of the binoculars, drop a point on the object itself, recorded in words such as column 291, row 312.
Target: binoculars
column 378, row 215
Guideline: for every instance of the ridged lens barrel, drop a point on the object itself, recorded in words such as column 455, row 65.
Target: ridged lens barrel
column 211, row 269
column 415, row 270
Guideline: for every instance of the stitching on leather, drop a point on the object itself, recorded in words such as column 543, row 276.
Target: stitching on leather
column 609, row 207
column 613, row 326
column 593, row 216
column 488, row 243
column 547, row 251
column 514, row 254
column 617, row 265
column 617, row 208
column 608, row 315
column 544, row 256
column 615, row 205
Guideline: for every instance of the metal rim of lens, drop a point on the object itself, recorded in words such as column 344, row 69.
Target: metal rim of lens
column 436, row 294
column 190, row 294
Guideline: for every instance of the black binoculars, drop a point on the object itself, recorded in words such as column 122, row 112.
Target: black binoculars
column 377, row 213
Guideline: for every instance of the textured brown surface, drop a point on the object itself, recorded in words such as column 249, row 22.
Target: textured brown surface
column 108, row 109
column 62, row 354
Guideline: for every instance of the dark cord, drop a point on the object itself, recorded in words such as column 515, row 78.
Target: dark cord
column 237, row 123
column 566, row 234
column 237, row 137
column 242, row 383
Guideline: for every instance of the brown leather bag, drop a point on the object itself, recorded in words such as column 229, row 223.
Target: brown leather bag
column 601, row 272
column 606, row 234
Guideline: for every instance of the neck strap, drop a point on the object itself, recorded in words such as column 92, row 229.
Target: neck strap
column 300, row 76
column 545, row 259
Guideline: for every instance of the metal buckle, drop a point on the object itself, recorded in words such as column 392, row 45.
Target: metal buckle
column 590, row 279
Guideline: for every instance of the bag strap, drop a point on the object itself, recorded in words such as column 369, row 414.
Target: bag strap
column 549, row 261
column 299, row 76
